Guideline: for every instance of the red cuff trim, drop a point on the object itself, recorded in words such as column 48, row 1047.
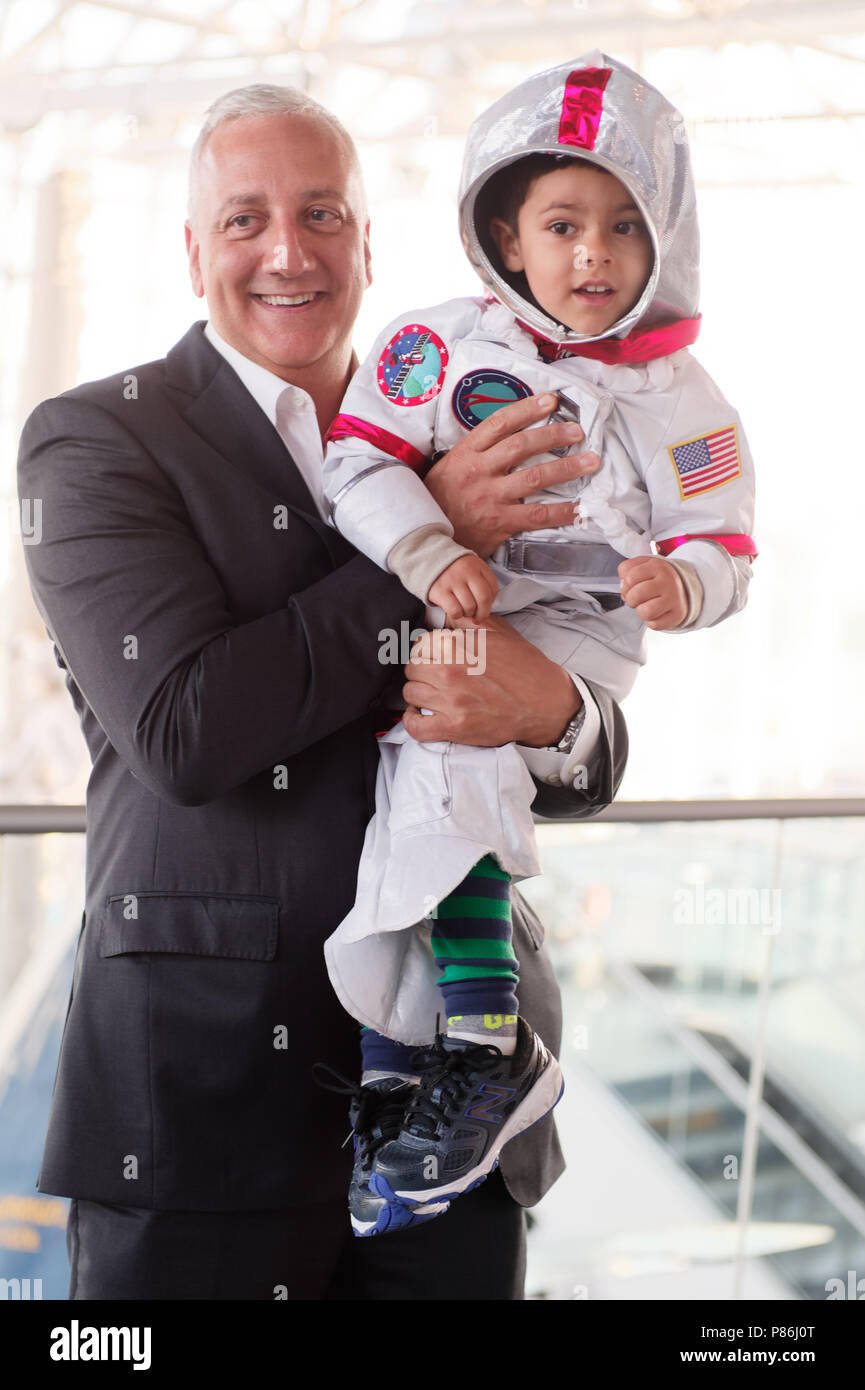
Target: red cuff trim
column 351, row 427
column 736, row 545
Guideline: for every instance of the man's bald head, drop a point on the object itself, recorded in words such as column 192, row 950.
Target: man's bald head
column 264, row 100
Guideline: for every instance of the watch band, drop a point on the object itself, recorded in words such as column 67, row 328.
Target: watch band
column 572, row 732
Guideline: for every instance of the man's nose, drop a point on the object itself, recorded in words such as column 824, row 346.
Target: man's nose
column 290, row 252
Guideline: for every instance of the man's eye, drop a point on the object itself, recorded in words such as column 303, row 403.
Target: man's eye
column 324, row 215
column 241, row 217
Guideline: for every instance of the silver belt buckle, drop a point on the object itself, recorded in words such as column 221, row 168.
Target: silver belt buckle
column 567, row 412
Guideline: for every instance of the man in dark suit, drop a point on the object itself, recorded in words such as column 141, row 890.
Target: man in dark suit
column 221, row 646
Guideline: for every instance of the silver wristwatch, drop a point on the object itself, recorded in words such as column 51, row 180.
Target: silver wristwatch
column 572, row 732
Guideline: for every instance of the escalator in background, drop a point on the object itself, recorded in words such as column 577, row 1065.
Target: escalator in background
column 685, row 1108
column 33, row 1258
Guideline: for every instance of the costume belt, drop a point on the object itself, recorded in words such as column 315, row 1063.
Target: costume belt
column 576, row 559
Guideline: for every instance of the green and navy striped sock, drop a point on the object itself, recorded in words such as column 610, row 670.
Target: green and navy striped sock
column 471, row 942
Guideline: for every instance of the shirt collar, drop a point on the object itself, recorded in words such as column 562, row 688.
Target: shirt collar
column 265, row 387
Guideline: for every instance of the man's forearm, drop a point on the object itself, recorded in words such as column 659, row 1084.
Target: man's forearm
column 546, row 723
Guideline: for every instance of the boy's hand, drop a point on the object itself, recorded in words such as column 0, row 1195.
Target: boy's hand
column 465, row 589
column 655, row 590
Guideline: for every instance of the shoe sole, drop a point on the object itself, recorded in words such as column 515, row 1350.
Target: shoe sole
column 536, row 1105
column 397, row 1216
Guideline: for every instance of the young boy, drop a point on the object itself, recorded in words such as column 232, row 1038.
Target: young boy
column 577, row 209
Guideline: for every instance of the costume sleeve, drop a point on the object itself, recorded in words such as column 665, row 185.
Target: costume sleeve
column 419, row 559
column 381, row 443
column 700, row 482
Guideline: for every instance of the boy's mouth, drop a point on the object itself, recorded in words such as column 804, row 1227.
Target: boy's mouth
column 595, row 292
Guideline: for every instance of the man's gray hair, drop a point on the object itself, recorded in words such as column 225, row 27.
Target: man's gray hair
column 262, row 99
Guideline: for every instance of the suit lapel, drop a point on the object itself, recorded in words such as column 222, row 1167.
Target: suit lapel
column 220, row 409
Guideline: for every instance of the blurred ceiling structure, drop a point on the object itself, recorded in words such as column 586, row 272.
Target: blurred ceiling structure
column 161, row 60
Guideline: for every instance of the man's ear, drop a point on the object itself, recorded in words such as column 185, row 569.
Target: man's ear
column 508, row 243
column 192, row 250
column 367, row 255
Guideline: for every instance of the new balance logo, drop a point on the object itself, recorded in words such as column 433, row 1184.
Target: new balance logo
column 485, row 1109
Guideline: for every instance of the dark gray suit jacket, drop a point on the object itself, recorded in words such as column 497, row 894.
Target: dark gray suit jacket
column 225, row 670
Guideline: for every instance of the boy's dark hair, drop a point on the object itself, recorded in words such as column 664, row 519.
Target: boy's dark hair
column 504, row 194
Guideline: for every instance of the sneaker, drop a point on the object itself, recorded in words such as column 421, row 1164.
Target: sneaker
column 470, row 1102
column 376, row 1114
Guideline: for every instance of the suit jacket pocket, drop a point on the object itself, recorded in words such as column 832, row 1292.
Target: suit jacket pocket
column 207, row 924
column 199, row 1004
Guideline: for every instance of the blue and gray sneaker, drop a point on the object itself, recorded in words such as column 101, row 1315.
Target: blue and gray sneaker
column 470, row 1102
column 376, row 1114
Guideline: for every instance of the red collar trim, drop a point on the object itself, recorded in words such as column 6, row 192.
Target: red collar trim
column 636, row 347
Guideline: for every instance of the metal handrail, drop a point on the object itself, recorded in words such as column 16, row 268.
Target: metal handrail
column 48, row 819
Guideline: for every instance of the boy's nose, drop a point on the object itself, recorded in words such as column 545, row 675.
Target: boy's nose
column 596, row 247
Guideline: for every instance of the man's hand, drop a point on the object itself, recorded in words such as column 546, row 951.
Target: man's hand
column 481, row 497
column 515, row 694
column 465, row 589
column 655, row 590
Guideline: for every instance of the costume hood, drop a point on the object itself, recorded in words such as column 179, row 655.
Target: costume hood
column 597, row 109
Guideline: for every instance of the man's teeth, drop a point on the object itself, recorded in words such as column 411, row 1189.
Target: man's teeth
column 286, row 298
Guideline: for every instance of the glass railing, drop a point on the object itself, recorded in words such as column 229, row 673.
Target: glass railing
column 712, row 969
column 712, row 975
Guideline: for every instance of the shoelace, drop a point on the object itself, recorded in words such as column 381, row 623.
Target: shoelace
column 444, row 1083
column 373, row 1106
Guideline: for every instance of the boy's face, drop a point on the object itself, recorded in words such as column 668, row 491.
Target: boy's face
column 578, row 227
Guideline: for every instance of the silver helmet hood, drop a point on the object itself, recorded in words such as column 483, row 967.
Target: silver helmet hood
column 598, row 109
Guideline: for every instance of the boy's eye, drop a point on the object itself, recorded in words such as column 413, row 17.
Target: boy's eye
column 561, row 228
column 635, row 227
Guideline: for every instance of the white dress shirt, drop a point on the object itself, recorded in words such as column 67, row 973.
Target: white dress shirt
column 292, row 413
column 289, row 409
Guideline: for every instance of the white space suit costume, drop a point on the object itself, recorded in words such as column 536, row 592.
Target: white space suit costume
column 676, row 475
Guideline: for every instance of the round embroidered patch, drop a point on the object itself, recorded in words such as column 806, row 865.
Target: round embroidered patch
column 482, row 392
column 412, row 367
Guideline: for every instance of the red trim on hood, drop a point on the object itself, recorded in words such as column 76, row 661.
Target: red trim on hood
column 636, row 347
column 582, row 105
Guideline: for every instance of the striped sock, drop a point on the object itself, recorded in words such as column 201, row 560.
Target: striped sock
column 471, row 942
column 381, row 1057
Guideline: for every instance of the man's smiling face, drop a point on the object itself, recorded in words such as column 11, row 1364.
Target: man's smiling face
column 279, row 243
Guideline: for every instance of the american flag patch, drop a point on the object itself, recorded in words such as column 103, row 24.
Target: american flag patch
column 707, row 462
